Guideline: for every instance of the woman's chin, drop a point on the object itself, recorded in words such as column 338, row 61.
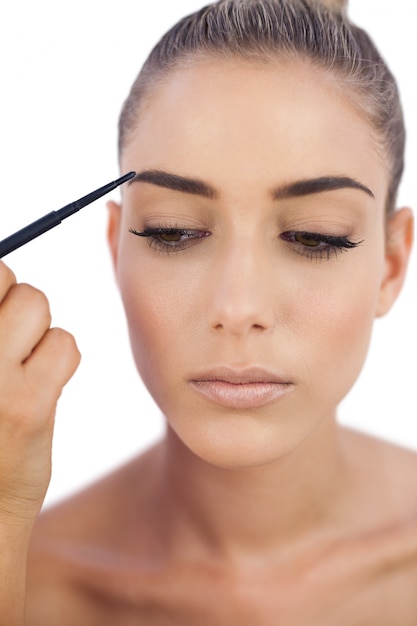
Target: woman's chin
column 241, row 443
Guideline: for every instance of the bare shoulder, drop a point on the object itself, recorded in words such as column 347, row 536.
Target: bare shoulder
column 384, row 483
column 370, row 567
column 81, row 545
column 391, row 468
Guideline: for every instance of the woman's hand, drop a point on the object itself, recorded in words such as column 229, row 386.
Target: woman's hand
column 35, row 363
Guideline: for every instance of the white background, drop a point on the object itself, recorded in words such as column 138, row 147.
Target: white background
column 65, row 69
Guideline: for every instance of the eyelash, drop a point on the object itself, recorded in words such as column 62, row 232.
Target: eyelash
column 320, row 247
column 328, row 246
column 154, row 237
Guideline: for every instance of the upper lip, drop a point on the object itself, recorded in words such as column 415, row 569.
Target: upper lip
column 240, row 376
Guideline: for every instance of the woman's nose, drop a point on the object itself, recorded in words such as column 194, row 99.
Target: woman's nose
column 242, row 294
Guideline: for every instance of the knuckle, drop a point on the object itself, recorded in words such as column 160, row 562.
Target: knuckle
column 66, row 345
column 36, row 299
column 62, row 338
column 33, row 293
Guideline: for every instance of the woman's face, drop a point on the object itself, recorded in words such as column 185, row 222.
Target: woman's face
column 250, row 311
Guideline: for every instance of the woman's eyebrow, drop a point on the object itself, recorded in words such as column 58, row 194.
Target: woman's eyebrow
column 319, row 185
column 291, row 190
column 175, row 182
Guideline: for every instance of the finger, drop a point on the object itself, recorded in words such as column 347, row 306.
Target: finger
column 50, row 366
column 24, row 319
column 7, row 279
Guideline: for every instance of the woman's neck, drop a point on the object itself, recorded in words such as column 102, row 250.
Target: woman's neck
column 238, row 513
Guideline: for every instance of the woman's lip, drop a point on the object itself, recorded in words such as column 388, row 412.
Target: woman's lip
column 248, row 375
column 243, row 395
column 243, row 388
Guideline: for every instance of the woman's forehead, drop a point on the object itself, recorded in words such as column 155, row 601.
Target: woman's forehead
column 242, row 117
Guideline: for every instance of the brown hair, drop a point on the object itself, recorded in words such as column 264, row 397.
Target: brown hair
column 318, row 30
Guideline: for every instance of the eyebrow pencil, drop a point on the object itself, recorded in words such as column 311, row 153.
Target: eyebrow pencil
column 50, row 220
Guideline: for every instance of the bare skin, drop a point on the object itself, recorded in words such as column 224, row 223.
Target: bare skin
column 268, row 514
column 121, row 553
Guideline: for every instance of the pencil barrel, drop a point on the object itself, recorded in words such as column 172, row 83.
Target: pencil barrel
column 28, row 233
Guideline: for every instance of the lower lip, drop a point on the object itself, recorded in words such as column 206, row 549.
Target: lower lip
column 241, row 396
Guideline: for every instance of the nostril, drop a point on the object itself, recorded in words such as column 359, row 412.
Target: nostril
column 240, row 326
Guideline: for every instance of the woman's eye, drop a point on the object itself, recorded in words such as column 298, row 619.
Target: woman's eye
column 312, row 245
column 170, row 239
column 316, row 245
column 307, row 239
column 171, row 236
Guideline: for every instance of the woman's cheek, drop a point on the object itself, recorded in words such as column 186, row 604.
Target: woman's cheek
column 337, row 328
column 161, row 309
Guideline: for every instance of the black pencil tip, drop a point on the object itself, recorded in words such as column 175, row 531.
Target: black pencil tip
column 126, row 177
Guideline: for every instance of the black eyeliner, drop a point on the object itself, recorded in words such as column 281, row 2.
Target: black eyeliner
column 331, row 240
column 149, row 232
column 336, row 242
column 50, row 220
